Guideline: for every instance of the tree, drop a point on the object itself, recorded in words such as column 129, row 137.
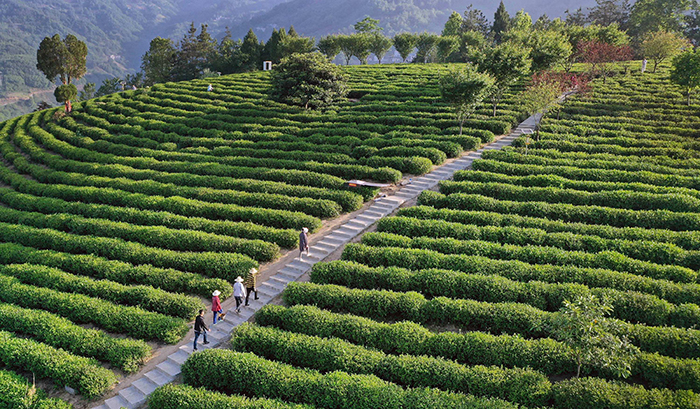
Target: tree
column 453, row 25
column 501, row 22
column 685, row 72
column 250, row 52
column 42, row 105
column 548, row 49
column 64, row 59
column 464, row 89
column 292, row 45
column 405, row 43
column 272, row 50
column 471, row 47
column 308, row 80
column 157, row 62
column 655, row 15
column 605, row 34
column 359, row 44
column 577, row 18
column 475, row 20
column 661, row 45
column 329, row 46
column 583, row 325
column 379, row 44
column 426, row 45
column 88, row 92
column 110, row 86
column 599, row 55
column 346, row 47
column 227, row 60
column 185, row 65
column 368, row 26
column 446, row 46
column 692, row 24
column 608, row 12
column 506, row 63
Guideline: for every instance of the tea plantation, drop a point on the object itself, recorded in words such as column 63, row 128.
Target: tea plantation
column 446, row 305
column 119, row 220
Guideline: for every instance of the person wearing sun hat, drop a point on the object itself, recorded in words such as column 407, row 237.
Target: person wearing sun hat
column 251, row 281
column 216, row 306
column 238, row 292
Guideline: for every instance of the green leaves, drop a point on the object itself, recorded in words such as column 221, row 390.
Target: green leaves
column 308, row 80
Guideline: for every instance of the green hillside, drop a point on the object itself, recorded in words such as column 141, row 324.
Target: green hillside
column 130, row 211
column 458, row 302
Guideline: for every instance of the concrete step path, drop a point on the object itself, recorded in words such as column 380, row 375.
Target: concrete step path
column 135, row 396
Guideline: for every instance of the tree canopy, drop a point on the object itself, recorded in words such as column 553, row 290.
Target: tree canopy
column 308, row 80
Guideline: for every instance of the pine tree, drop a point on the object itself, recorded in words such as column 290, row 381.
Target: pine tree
column 453, row 25
column 501, row 22
column 250, row 51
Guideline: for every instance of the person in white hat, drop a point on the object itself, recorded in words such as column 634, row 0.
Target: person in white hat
column 304, row 241
column 216, row 306
column 251, row 284
column 238, row 292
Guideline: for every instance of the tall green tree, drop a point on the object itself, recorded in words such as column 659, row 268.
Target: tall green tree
column 308, row 80
column 692, row 24
column 88, row 92
column 329, row 46
column 345, row 44
column 65, row 59
column 475, row 20
column 506, row 63
column 575, row 18
column 292, row 45
column 583, row 325
column 405, row 43
column 464, row 89
column 426, row 47
column 661, row 45
column 501, row 22
column 227, row 56
column 379, row 44
column 359, row 44
column 273, row 48
column 548, row 49
column 649, row 16
column 157, row 62
column 368, row 26
column 250, row 52
column 446, row 46
column 685, row 72
column 607, row 12
column 453, row 25
column 472, row 46
column 185, row 66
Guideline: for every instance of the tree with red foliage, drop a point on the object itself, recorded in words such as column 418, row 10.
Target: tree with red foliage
column 600, row 55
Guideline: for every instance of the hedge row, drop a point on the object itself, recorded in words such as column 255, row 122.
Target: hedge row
column 555, row 181
column 690, row 240
column 522, row 386
column 654, row 219
column 244, row 373
column 144, row 158
column 114, row 176
column 662, row 253
column 53, row 186
column 170, row 396
column 124, row 353
column 221, row 265
column 152, row 236
column 622, row 199
column 534, row 255
column 170, row 280
column 83, row 309
column 414, row 165
column 468, row 314
column 287, row 238
column 17, row 393
column 82, row 374
column 470, row 348
column 146, row 297
column 629, row 306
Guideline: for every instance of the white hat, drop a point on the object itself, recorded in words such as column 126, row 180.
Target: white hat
column 305, row 230
column 253, row 271
column 238, row 279
column 216, row 293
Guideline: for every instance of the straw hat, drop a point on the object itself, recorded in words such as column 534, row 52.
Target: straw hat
column 253, row 271
column 216, row 293
column 238, row 279
column 305, row 230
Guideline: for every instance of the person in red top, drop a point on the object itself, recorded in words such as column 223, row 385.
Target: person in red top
column 216, row 306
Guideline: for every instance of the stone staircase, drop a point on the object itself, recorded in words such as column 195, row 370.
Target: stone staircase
column 135, row 395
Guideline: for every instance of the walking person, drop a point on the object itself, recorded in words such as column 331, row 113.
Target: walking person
column 304, row 241
column 644, row 65
column 200, row 328
column 251, row 284
column 238, row 293
column 216, row 306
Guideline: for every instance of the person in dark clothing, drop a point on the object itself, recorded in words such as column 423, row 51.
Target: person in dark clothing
column 251, row 284
column 200, row 328
column 304, row 241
